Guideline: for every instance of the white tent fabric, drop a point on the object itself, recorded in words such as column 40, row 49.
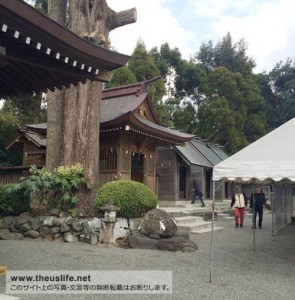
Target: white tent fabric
column 270, row 157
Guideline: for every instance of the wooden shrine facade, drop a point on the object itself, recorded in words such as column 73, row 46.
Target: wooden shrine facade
column 130, row 134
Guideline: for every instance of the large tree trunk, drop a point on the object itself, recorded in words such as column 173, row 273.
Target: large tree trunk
column 55, row 100
column 73, row 114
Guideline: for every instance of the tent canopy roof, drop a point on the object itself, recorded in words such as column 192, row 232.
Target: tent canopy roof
column 270, row 157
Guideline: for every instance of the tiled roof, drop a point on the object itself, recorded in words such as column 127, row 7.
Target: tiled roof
column 37, row 138
column 199, row 153
column 114, row 108
column 192, row 156
column 41, row 54
column 166, row 130
column 119, row 108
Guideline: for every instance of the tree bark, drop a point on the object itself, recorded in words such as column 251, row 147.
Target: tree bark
column 55, row 100
column 73, row 114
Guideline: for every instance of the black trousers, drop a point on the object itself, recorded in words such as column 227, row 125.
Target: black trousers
column 259, row 211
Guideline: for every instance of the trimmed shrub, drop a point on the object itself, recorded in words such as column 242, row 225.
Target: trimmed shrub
column 13, row 202
column 133, row 198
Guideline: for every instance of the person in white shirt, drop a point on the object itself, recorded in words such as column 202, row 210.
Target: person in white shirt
column 239, row 200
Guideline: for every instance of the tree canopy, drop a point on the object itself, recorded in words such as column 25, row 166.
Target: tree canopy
column 214, row 95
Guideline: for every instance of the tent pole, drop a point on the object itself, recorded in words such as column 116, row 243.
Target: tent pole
column 212, row 233
column 272, row 203
column 253, row 220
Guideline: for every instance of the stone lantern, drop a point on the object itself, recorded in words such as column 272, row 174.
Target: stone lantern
column 110, row 211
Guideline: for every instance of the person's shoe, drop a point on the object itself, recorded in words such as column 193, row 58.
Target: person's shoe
column 192, row 202
column 237, row 225
column 203, row 205
column 241, row 225
column 260, row 227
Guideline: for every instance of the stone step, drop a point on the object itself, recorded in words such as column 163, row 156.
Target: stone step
column 229, row 218
column 187, row 219
column 194, row 226
column 206, row 230
column 223, row 216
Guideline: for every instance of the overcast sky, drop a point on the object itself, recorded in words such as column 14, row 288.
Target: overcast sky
column 268, row 26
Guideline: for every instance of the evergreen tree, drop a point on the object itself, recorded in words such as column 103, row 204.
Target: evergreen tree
column 278, row 88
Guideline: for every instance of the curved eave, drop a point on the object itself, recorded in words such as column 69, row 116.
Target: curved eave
column 38, row 54
column 137, row 126
column 30, row 21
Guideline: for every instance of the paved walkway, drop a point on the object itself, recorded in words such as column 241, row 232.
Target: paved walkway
column 238, row 272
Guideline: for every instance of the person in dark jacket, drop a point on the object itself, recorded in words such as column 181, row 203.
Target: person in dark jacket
column 239, row 200
column 198, row 192
column 260, row 201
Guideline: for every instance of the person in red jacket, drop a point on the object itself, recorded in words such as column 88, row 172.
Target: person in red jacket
column 239, row 200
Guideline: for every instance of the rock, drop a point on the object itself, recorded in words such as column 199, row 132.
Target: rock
column 64, row 214
column 187, row 244
column 32, row 234
column 134, row 223
column 139, row 241
column 58, row 221
column 121, row 228
column 188, row 249
column 77, row 225
column 89, row 238
column 157, row 221
column 25, row 227
column 48, row 221
column 176, row 243
column 11, row 236
column 88, row 228
column 6, row 222
column 53, row 212
column 92, row 225
column 54, row 230
column 154, row 236
column 44, row 231
column 13, row 226
column 64, row 227
column 70, row 221
column 70, row 238
column 168, row 244
column 23, row 218
column 36, row 223
column 4, row 231
column 57, row 236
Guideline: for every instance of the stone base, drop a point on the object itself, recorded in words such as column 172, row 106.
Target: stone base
column 178, row 242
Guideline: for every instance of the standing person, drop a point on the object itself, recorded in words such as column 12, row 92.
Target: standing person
column 198, row 192
column 239, row 200
column 260, row 201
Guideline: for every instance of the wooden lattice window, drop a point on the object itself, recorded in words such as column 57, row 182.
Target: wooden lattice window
column 108, row 159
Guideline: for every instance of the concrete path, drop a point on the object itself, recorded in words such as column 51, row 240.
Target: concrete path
column 238, row 272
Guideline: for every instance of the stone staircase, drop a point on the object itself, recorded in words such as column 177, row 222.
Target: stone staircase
column 193, row 218
column 193, row 224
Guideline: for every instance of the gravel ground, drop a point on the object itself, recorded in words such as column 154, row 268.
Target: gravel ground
column 238, row 271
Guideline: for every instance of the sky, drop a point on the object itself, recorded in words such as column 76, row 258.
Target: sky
column 268, row 26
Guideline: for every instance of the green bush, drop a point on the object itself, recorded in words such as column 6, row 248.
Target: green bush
column 13, row 202
column 56, row 189
column 133, row 198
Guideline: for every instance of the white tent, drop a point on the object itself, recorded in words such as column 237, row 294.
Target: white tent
column 272, row 156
